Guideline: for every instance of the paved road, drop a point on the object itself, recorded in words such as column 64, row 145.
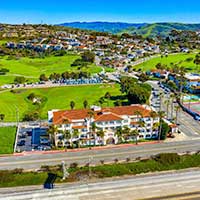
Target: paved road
column 188, row 125
column 34, row 161
column 135, row 187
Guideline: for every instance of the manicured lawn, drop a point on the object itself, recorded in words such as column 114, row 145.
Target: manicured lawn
column 178, row 58
column 32, row 68
column 7, row 139
column 54, row 98
column 108, row 69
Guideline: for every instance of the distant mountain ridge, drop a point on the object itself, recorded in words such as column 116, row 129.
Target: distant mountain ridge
column 111, row 27
column 147, row 30
column 161, row 29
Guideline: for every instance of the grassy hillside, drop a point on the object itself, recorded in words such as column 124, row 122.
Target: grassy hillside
column 162, row 29
column 144, row 29
column 111, row 27
column 7, row 139
column 54, row 98
column 175, row 58
column 32, row 68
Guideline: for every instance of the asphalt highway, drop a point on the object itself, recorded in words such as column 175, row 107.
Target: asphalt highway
column 155, row 186
column 35, row 160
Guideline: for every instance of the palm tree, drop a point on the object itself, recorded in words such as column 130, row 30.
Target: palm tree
column 182, row 83
column 167, row 102
column 135, row 134
column 72, row 105
column 67, row 136
column 126, row 132
column 177, row 108
column 101, row 134
column 138, row 113
column 85, row 104
column 161, row 114
column 52, row 131
column 172, row 97
column 119, row 134
column 92, row 132
column 76, row 134
column 90, row 114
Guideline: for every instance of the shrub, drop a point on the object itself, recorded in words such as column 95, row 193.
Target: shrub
column 31, row 96
column 45, row 168
column 18, row 171
column 102, row 162
column 116, row 160
column 74, row 165
column 167, row 158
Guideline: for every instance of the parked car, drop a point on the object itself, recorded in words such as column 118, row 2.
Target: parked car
column 21, row 143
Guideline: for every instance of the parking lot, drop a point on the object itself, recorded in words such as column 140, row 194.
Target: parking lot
column 32, row 138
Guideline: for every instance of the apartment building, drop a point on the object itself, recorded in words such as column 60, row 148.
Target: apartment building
column 89, row 121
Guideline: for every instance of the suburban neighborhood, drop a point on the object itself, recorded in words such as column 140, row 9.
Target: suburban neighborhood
column 99, row 100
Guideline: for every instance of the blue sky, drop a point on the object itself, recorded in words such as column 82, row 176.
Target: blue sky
column 52, row 12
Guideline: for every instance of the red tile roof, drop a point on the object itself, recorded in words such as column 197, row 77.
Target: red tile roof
column 106, row 114
column 107, row 117
column 60, row 116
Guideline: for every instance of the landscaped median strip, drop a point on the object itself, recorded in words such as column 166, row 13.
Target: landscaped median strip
column 161, row 162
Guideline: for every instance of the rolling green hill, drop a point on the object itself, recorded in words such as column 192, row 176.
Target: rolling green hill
column 111, row 27
column 162, row 29
column 147, row 30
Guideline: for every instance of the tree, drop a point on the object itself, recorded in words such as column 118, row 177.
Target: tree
column 143, row 77
column 85, row 104
column 19, row 80
column 167, row 102
column 125, row 132
column 161, row 114
column 101, row 101
column 164, row 130
column 119, row 134
column 135, row 134
column 75, row 134
column 136, row 92
column 2, row 116
column 88, row 56
column 100, row 134
column 43, row 77
column 177, row 108
column 32, row 116
column 90, row 114
column 31, row 96
column 72, row 105
column 52, row 131
column 107, row 95
column 67, row 136
column 197, row 60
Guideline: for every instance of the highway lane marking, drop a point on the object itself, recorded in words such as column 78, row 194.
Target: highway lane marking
column 86, row 190
column 98, row 156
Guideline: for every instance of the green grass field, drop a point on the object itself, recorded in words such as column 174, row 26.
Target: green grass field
column 178, row 58
column 7, row 139
column 32, row 68
column 54, row 98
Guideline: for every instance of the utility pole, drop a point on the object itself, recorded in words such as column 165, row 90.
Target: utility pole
column 17, row 116
column 160, row 119
column 64, row 169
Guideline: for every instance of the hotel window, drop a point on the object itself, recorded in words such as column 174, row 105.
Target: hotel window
column 148, row 136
